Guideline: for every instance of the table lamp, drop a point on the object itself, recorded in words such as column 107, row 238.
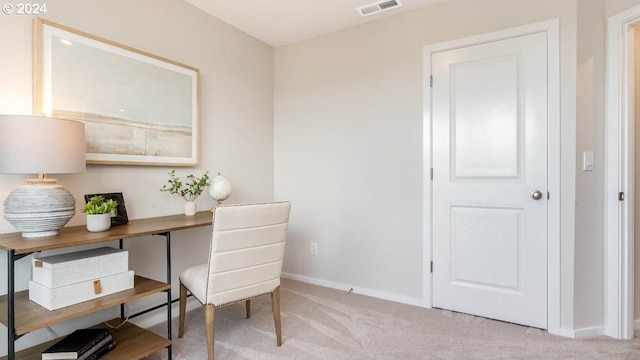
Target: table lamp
column 40, row 145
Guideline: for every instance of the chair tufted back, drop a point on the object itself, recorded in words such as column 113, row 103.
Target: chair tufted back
column 246, row 252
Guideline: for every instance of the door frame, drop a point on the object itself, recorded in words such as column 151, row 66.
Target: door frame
column 619, row 176
column 551, row 28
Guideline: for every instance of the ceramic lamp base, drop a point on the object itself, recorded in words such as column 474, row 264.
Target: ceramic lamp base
column 39, row 209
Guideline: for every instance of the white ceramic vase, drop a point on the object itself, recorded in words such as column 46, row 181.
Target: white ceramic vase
column 98, row 222
column 190, row 208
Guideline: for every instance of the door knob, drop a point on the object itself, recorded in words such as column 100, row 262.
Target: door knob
column 536, row 195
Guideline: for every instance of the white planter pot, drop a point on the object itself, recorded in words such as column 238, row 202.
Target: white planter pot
column 98, row 222
column 190, row 208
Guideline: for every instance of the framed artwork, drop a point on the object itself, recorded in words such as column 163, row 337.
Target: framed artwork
column 138, row 108
column 121, row 215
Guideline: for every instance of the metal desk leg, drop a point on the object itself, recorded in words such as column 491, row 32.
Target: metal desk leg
column 168, row 236
column 11, row 321
column 121, row 244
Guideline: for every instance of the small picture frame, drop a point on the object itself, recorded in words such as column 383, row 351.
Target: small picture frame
column 121, row 216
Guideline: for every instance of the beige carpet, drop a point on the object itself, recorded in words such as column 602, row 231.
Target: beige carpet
column 322, row 323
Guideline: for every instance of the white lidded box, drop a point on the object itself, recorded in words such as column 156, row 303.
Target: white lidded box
column 70, row 268
column 59, row 297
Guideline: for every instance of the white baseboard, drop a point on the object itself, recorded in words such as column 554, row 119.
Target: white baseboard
column 588, row 332
column 362, row 291
column 636, row 327
column 582, row 333
column 564, row 332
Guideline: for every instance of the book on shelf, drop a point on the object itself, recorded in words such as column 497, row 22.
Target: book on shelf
column 105, row 342
column 97, row 351
column 74, row 345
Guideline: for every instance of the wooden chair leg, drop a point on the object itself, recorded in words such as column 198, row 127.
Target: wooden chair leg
column 209, row 320
column 275, row 303
column 183, row 306
column 248, row 305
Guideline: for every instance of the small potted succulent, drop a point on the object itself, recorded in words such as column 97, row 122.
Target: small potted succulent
column 99, row 212
column 188, row 190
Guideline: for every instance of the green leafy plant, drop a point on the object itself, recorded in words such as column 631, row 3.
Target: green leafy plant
column 190, row 189
column 99, row 205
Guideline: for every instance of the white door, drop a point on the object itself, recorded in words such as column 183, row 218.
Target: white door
column 489, row 189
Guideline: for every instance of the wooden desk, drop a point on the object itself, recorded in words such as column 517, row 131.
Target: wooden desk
column 21, row 316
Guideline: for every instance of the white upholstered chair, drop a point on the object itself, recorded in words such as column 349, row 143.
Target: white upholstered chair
column 245, row 261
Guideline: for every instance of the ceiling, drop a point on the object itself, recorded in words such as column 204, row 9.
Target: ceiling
column 281, row 22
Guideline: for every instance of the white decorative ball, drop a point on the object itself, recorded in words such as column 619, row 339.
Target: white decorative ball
column 220, row 188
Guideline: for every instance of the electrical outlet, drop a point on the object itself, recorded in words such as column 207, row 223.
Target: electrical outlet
column 314, row 249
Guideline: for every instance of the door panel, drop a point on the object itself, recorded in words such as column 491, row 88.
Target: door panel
column 497, row 137
column 495, row 233
column 489, row 129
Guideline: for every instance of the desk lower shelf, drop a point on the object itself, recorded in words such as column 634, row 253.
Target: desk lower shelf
column 31, row 316
column 132, row 343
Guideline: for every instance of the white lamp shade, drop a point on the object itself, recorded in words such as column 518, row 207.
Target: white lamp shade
column 41, row 145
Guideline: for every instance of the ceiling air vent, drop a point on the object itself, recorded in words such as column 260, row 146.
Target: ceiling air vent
column 377, row 7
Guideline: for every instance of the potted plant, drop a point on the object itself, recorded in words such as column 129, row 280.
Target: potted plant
column 189, row 190
column 99, row 212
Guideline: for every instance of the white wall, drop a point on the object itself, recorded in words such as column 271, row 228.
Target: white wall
column 348, row 153
column 589, row 237
column 236, row 74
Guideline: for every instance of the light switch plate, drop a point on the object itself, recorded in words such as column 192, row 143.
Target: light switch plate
column 587, row 161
